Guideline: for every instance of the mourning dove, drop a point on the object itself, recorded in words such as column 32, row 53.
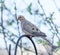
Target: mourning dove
column 30, row 29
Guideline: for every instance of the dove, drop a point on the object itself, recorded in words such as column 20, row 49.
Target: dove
column 30, row 29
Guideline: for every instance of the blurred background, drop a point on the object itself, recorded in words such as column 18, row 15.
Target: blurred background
column 45, row 14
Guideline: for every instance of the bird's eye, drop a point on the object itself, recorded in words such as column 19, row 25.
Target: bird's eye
column 20, row 17
column 37, row 29
column 32, row 28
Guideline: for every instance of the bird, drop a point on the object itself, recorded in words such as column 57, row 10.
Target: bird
column 29, row 28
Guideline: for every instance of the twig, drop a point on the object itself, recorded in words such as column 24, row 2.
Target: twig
column 2, row 2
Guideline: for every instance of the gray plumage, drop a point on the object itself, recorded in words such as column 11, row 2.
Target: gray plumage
column 30, row 29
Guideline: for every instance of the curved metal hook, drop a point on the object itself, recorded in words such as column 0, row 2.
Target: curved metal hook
column 28, row 36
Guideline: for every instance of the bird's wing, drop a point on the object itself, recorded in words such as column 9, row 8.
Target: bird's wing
column 29, row 27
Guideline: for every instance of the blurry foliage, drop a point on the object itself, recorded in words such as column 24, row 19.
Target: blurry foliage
column 10, row 22
column 53, row 27
column 59, row 43
column 41, row 14
column 58, row 49
column 29, row 8
column 50, row 19
column 44, row 42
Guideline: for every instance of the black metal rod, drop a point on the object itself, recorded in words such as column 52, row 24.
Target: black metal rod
column 10, row 49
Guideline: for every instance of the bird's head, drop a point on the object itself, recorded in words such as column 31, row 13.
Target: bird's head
column 21, row 18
